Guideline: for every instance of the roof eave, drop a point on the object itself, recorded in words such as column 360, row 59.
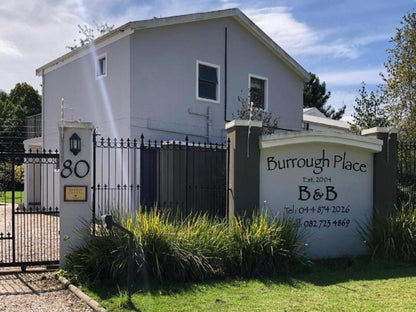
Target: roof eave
column 84, row 48
column 174, row 20
column 182, row 19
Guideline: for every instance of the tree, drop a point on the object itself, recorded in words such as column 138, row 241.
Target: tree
column 400, row 79
column 22, row 101
column 27, row 97
column 315, row 95
column 88, row 34
column 369, row 111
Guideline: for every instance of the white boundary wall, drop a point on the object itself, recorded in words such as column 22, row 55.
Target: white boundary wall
column 324, row 181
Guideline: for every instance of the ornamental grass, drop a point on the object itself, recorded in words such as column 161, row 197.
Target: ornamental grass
column 393, row 236
column 192, row 249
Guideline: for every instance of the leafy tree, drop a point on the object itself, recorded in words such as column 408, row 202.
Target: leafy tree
column 400, row 79
column 369, row 111
column 315, row 95
column 89, row 33
column 22, row 101
column 27, row 97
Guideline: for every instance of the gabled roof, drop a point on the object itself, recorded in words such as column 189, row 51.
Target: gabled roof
column 312, row 116
column 313, row 111
column 130, row 27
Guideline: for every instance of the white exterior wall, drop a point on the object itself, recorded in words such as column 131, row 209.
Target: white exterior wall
column 104, row 101
column 163, row 79
column 324, row 182
column 151, row 83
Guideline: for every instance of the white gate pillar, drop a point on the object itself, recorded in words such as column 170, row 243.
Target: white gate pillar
column 75, row 163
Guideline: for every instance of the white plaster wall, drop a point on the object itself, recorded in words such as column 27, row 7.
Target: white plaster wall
column 280, row 195
column 163, row 79
column 104, row 102
column 75, row 170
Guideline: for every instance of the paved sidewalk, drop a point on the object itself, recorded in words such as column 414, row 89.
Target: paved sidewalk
column 36, row 291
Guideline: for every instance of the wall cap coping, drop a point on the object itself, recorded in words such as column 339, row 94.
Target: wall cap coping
column 242, row 123
column 376, row 130
column 302, row 137
column 75, row 124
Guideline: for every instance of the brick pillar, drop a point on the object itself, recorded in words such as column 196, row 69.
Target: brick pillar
column 244, row 173
column 385, row 169
column 75, row 184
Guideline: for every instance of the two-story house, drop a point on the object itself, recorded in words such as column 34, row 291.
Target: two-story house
column 172, row 77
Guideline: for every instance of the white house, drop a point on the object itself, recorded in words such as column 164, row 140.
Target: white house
column 313, row 119
column 172, row 77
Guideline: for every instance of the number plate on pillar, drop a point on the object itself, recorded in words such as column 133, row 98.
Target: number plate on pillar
column 75, row 193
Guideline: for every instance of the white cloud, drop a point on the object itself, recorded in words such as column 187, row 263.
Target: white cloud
column 298, row 38
column 352, row 77
column 32, row 33
column 8, row 48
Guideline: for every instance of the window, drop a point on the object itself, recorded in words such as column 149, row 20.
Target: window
column 258, row 91
column 208, row 82
column 101, row 66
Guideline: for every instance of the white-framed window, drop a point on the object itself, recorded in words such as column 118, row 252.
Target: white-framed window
column 258, row 90
column 207, row 82
column 101, row 66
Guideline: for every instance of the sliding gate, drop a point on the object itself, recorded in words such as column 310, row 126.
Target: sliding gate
column 29, row 213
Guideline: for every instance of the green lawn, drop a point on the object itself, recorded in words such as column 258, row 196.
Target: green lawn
column 7, row 197
column 334, row 286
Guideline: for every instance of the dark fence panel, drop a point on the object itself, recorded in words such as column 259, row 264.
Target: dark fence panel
column 406, row 171
column 177, row 176
column 29, row 213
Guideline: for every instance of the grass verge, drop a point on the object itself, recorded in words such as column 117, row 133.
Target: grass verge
column 6, row 197
column 331, row 286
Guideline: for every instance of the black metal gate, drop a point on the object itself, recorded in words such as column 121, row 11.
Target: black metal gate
column 179, row 176
column 29, row 213
column 406, row 171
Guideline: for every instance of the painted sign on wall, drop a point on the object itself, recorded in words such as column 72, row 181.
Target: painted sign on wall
column 324, row 182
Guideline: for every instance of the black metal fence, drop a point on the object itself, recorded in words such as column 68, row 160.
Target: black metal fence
column 29, row 213
column 406, row 171
column 178, row 176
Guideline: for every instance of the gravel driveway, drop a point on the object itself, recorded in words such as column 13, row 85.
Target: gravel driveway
column 36, row 291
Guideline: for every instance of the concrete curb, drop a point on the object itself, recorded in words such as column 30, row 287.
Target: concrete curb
column 81, row 295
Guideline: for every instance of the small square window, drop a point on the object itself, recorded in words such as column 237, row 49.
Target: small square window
column 101, row 66
column 207, row 82
column 258, row 92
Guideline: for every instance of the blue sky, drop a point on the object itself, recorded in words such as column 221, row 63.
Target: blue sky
column 343, row 42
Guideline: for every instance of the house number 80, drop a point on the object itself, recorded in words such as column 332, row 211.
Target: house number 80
column 81, row 169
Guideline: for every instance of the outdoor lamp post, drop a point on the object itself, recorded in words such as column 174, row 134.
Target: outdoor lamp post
column 75, row 144
column 109, row 223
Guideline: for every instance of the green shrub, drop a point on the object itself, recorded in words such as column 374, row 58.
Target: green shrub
column 195, row 248
column 103, row 256
column 259, row 246
column 394, row 236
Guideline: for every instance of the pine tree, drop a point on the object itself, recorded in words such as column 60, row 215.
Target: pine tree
column 315, row 95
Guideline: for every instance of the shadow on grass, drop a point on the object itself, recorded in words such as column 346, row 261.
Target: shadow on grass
column 323, row 273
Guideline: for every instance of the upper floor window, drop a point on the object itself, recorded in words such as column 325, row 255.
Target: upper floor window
column 208, row 82
column 101, row 66
column 258, row 91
